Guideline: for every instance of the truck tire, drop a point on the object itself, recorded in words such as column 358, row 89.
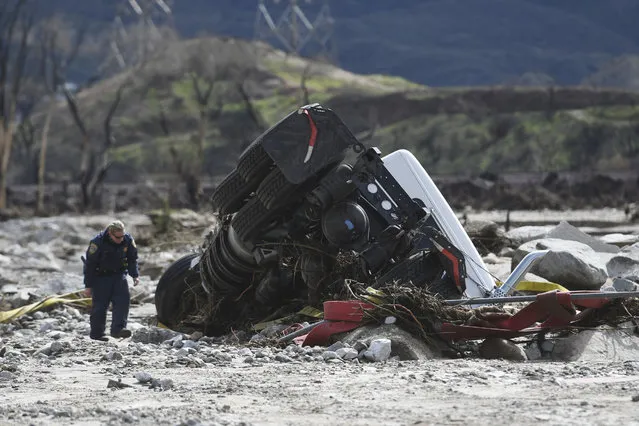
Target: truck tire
column 230, row 194
column 251, row 220
column 254, row 163
column 275, row 190
column 178, row 278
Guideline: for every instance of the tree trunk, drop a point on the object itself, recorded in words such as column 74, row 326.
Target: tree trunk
column 6, row 141
column 43, row 159
column 85, row 176
column 193, row 184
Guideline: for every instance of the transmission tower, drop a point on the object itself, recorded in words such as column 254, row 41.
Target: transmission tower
column 293, row 30
column 147, row 16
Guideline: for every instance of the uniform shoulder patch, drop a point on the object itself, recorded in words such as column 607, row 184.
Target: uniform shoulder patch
column 93, row 247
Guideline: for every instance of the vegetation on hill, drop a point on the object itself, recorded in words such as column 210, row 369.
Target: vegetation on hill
column 454, row 131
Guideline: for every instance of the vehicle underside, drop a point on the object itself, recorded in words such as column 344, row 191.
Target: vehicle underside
column 307, row 209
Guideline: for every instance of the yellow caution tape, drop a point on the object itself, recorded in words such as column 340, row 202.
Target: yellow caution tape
column 374, row 296
column 539, row 287
column 76, row 298
column 308, row 311
column 536, row 286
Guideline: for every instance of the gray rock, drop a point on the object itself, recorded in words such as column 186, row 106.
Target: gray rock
column 143, row 377
column 379, row 350
column 112, row 356
column 177, row 341
column 347, row 353
column 153, row 335
column 47, row 326
column 329, row 355
column 221, row 356
column 533, row 352
column 496, row 348
column 182, row 353
column 625, row 263
column 623, row 284
column 565, row 231
column 245, row 352
column 569, row 263
column 56, row 347
column 6, row 376
column 189, row 344
column 196, row 335
column 335, row 346
column 523, row 234
column 283, row 358
column 598, row 345
column 619, row 240
column 161, row 384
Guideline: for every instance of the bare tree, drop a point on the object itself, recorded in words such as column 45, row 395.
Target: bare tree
column 16, row 24
column 59, row 46
column 214, row 80
column 94, row 156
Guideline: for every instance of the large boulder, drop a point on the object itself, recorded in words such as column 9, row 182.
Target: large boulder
column 523, row 234
column 619, row 239
column 403, row 344
column 572, row 264
column 607, row 345
column 625, row 263
column 565, row 231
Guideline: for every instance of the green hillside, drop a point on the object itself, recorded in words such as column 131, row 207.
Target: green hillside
column 455, row 130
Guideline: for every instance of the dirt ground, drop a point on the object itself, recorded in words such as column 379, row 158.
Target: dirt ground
column 71, row 388
column 217, row 384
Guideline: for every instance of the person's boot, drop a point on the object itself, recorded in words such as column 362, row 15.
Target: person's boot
column 122, row 334
column 100, row 338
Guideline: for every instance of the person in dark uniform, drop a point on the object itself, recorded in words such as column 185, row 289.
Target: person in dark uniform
column 110, row 256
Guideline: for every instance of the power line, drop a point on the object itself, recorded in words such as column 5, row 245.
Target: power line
column 147, row 16
column 293, row 30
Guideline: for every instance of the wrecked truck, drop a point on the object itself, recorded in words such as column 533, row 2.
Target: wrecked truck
column 307, row 208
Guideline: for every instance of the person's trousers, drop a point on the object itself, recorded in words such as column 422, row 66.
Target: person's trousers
column 109, row 289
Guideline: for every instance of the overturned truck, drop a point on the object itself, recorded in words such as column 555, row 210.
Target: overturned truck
column 307, row 208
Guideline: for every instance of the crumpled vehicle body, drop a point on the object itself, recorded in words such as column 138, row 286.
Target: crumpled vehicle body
column 307, row 207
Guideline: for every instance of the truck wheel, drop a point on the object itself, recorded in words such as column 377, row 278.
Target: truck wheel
column 275, row 190
column 230, row 194
column 252, row 219
column 170, row 291
column 254, row 163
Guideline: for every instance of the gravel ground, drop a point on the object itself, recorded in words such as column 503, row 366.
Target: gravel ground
column 54, row 374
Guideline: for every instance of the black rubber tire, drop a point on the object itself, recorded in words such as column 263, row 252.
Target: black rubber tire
column 213, row 276
column 275, row 190
column 423, row 270
column 239, row 265
column 172, row 284
column 230, row 194
column 251, row 220
column 254, row 163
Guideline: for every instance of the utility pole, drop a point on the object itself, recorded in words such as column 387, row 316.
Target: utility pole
column 292, row 29
column 147, row 15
